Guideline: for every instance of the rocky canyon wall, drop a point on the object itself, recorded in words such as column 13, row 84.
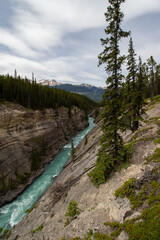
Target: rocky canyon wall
column 27, row 134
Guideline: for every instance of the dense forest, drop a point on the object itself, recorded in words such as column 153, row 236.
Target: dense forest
column 32, row 95
column 124, row 97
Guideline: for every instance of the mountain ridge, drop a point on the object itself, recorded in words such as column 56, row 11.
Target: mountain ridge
column 93, row 92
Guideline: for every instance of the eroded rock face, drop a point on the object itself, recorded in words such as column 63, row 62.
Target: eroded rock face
column 22, row 130
column 97, row 205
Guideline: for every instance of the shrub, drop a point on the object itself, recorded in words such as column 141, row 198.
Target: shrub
column 126, row 189
column 72, row 210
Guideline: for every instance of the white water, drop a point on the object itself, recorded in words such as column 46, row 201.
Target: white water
column 14, row 212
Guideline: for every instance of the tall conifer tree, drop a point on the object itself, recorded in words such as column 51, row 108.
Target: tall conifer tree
column 111, row 142
column 152, row 64
column 140, row 92
column 131, row 87
column 157, row 80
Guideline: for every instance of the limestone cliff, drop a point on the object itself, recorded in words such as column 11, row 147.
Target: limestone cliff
column 97, row 205
column 22, row 131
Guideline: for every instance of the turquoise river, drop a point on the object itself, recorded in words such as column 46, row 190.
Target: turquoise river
column 14, row 212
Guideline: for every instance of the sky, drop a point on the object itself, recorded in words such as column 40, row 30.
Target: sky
column 60, row 39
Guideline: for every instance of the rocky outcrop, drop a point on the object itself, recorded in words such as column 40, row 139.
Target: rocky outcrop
column 23, row 131
column 97, row 205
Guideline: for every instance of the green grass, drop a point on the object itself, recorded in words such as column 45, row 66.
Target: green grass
column 147, row 225
column 37, row 229
column 154, row 157
column 135, row 136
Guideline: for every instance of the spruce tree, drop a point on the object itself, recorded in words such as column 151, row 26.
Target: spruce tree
column 152, row 64
column 157, row 80
column 140, row 91
column 15, row 74
column 131, row 95
column 111, row 151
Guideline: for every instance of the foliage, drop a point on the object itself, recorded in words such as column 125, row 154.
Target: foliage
column 6, row 234
column 126, row 189
column 101, row 236
column 37, row 229
column 146, row 226
column 95, row 236
column 152, row 64
column 131, row 93
column 29, row 210
column 34, row 96
column 91, row 92
column 106, row 164
column 72, row 209
column 67, row 222
column 139, row 132
column 154, row 157
column 111, row 151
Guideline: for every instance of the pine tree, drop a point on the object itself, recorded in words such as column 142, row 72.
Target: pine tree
column 15, row 74
column 157, row 80
column 131, row 88
column 140, row 92
column 152, row 64
column 111, row 151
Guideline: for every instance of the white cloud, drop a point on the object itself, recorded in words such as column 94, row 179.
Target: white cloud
column 15, row 44
column 135, row 8
column 25, row 67
column 90, row 76
column 38, row 42
column 73, row 15
column 150, row 49
column 66, row 79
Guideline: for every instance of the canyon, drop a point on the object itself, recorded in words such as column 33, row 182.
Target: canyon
column 48, row 219
column 24, row 131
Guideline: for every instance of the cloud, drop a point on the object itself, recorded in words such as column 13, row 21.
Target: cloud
column 136, row 8
column 73, row 15
column 90, row 76
column 60, row 39
column 15, row 44
column 25, row 67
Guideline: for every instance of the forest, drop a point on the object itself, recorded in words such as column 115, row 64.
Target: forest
column 125, row 96
column 34, row 96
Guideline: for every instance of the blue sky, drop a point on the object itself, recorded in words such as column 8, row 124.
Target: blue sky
column 60, row 39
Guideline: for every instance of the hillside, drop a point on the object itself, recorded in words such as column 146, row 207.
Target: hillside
column 92, row 92
column 35, row 123
column 34, row 96
column 95, row 93
column 29, row 139
column 100, row 205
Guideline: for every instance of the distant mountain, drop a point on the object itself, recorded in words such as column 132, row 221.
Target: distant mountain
column 95, row 93
column 90, row 91
column 45, row 82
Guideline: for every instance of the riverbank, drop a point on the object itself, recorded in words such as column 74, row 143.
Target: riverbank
column 97, row 205
column 27, row 136
column 12, row 213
